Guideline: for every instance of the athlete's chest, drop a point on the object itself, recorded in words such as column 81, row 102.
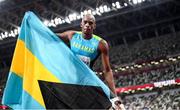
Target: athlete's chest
column 83, row 46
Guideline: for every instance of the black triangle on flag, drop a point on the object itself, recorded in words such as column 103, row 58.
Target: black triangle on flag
column 72, row 96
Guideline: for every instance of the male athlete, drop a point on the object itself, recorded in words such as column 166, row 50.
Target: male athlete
column 88, row 47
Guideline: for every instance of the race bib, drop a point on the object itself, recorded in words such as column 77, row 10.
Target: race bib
column 85, row 59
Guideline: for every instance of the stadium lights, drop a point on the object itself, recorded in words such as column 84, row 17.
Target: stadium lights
column 79, row 17
column 137, row 1
column 16, row 31
column 12, row 33
column 57, row 21
column 118, row 6
column 67, row 20
column 156, row 63
column 135, row 65
column 46, row 22
column 153, row 62
column 123, row 69
column 89, row 11
column 85, row 12
column 147, row 87
column 143, row 89
column 106, row 8
column 138, row 88
column 127, row 92
column 161, row 61
column 76, row 16
column 98, row 11
column 139, row 66
column 150, row 88
column 133, row 91
column 125, row 4
column 101, row 9
column 174, row 59
column 113, row 5
column 94, row 12
column 170, row 58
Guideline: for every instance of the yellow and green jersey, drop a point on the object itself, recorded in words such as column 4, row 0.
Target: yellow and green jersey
column 86, row 50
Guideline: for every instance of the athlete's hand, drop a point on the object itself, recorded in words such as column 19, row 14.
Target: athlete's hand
column 116, row 104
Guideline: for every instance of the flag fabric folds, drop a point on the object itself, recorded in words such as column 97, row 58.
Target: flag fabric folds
column 41, row 55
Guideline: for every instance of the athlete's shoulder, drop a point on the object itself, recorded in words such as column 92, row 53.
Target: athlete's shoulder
column 97, row 37
column 71, row 33
column 102, row 42
column 103, row 45
column 78, row 32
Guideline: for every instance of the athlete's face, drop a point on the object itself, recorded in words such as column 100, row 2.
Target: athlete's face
column 88, row 24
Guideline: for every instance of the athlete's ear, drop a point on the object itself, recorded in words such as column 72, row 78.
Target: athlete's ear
column 81, row 25
column 94, row 27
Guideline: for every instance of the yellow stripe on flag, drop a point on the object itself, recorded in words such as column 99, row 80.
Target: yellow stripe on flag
column 27, row 65
column 17, row 65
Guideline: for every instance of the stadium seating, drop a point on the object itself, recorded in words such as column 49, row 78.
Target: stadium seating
column 141, row 51
column 152, row 76
column 164, row 100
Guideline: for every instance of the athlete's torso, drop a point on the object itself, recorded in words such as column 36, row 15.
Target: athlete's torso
column 86, row 50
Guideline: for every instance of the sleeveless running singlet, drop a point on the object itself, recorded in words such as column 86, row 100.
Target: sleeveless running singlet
column 86, row 50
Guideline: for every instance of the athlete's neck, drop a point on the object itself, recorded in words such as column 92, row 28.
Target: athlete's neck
column 87, row 36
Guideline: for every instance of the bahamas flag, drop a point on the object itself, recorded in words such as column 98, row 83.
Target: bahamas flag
column 46, row 74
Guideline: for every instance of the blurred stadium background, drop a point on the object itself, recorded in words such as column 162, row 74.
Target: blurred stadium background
column 144, row 39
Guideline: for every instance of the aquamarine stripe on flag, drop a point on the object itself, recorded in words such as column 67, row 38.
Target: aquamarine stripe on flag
column 15, row 97
column 15, row 84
